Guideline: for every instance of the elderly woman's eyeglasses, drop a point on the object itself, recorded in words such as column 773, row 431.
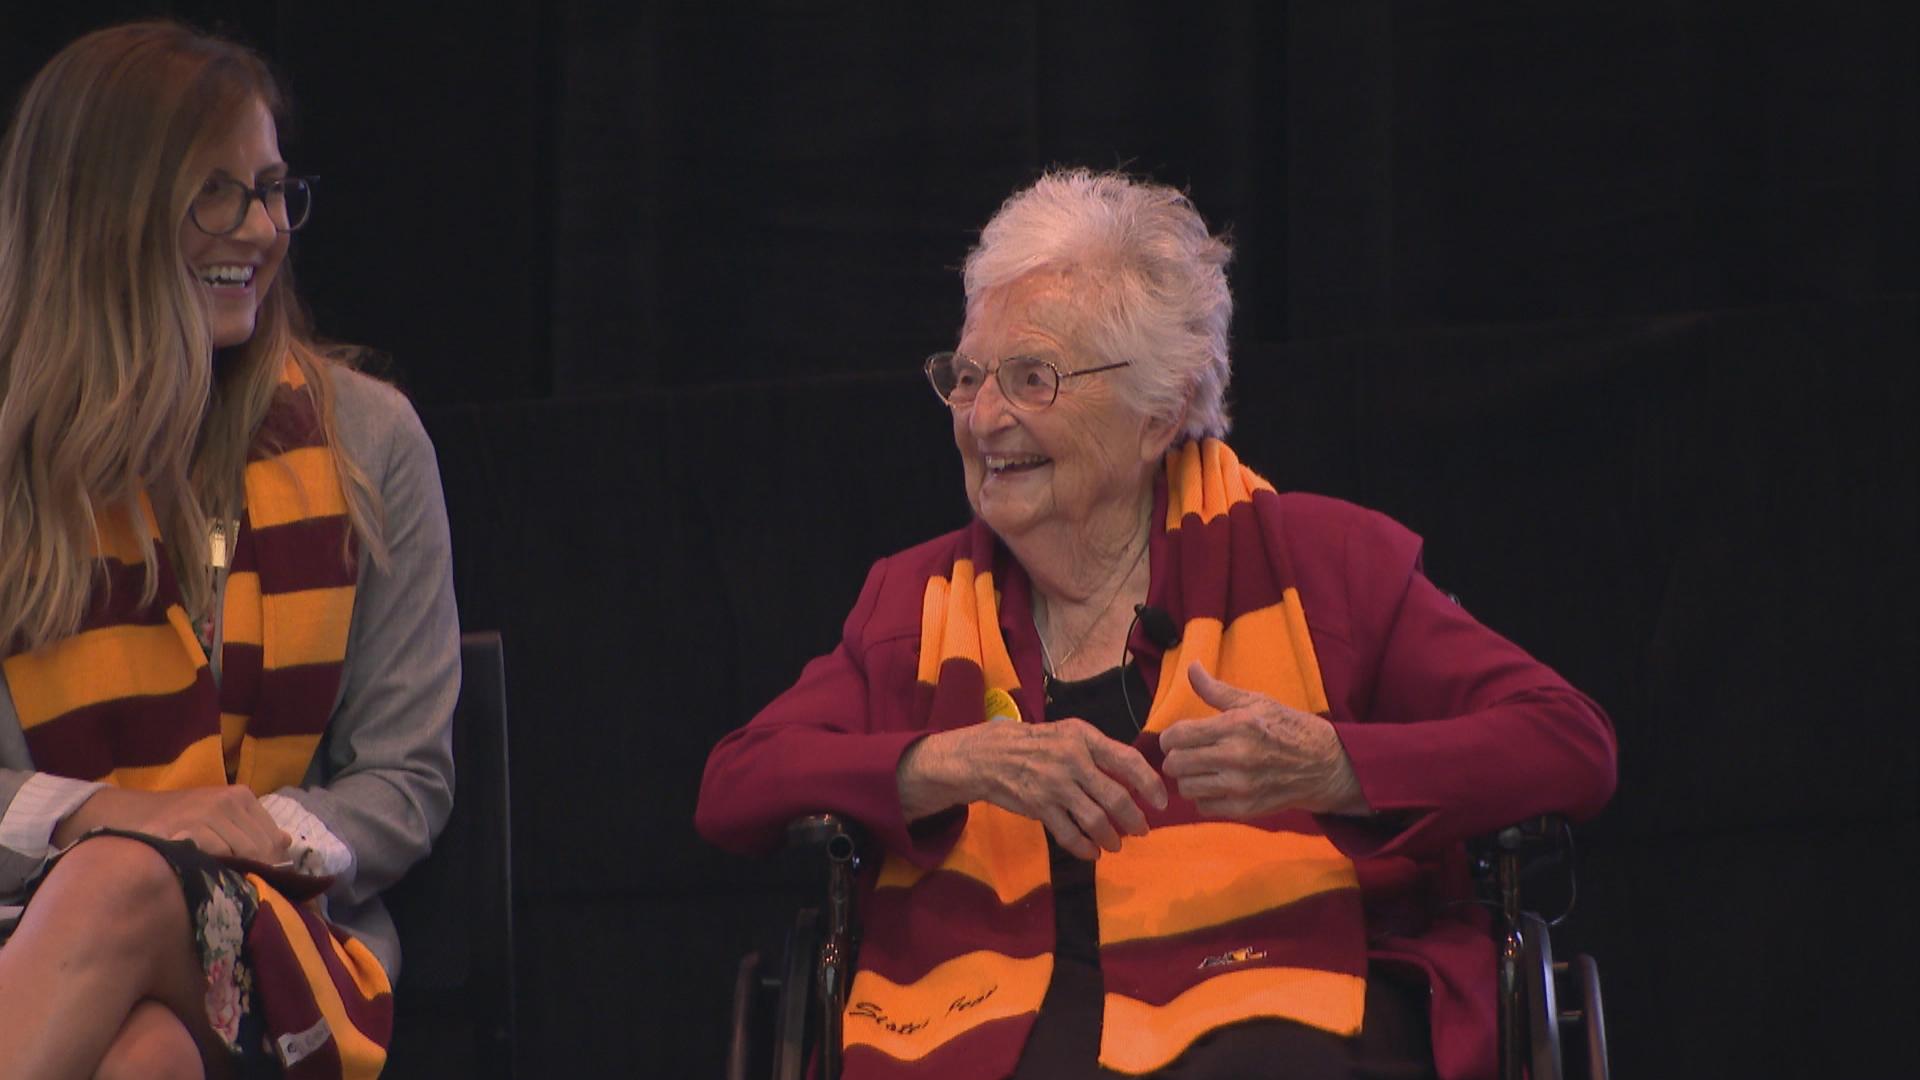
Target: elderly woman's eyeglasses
column 221, row 206
column 1027, row 381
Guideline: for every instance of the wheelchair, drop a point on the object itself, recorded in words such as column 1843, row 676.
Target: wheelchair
column 1552, row 1025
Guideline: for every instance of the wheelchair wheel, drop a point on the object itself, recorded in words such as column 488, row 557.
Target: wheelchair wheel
column 1542, row 1000
column 796, row 994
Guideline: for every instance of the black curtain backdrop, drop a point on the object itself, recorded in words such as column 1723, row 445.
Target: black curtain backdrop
column 1616, row 304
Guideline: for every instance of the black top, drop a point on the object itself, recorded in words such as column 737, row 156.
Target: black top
column 1100, row 702
column 1065, row 1042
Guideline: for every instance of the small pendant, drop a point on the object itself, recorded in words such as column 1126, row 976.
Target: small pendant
column 217, row 545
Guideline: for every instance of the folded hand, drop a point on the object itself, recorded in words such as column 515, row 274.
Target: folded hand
column 217, row 820
column 1084, row 787
column 1257, row 757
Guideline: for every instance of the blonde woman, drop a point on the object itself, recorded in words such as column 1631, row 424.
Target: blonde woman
column 226, row 610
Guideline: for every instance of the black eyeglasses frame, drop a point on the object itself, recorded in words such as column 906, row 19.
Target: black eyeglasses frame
column 251, row 193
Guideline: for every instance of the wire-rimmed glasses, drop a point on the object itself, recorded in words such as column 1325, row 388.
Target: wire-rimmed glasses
column 1028, row 382
column 222, row 204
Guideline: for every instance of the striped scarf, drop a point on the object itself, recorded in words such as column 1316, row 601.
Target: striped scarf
column 130, row 700
column 1203, row 923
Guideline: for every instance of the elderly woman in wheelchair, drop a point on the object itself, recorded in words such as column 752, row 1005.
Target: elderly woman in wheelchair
column 1172, row 772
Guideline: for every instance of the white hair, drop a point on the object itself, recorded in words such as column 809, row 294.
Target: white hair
column 1158, row 298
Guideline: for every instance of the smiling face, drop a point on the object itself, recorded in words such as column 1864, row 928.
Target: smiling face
column 1084, row 464
column 235, row 270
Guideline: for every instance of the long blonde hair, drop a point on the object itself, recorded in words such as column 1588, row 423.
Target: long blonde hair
column 108, row 390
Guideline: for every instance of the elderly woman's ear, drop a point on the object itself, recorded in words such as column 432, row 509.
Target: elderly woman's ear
column 1160, row 433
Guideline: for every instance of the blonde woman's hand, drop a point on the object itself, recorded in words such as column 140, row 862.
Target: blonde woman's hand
column 218, row 820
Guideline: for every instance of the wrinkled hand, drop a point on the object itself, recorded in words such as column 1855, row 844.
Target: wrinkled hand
column 217, row 820
column 1085, row 788
column 1257, row 757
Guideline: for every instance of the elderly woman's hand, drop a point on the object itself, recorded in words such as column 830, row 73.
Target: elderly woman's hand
column 1084, row 787
column 1258, row 757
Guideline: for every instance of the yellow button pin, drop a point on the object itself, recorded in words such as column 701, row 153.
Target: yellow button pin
column 1000, row 705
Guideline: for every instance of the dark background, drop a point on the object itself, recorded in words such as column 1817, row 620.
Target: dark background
column 1614, row 303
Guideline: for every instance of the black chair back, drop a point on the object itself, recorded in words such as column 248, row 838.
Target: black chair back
column 454, row 1005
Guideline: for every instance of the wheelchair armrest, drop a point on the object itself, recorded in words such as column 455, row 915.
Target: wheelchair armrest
column 815, row 829
column 1547, row 832
column 831, row 835
column 1503, row 860
column 817, row 845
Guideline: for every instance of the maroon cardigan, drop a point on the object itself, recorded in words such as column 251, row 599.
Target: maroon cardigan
column 1452, row 730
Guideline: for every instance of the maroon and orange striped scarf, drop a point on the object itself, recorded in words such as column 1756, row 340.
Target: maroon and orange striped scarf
column 1203, row 923
column 130, row 700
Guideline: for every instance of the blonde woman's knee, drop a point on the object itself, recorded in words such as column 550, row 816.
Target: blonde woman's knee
column 152, row 1045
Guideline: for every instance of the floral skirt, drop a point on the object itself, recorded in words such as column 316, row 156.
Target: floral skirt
column 221, row 905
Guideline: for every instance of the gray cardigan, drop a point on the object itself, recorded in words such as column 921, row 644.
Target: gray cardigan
column 382, row 780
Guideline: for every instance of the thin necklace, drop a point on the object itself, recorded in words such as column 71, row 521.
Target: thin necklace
column 1047, row 611
column 222, row 533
